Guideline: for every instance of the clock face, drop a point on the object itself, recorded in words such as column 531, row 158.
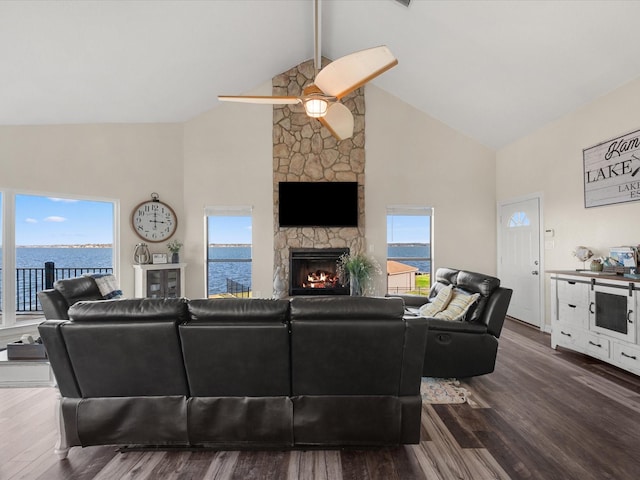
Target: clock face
column 154, row 221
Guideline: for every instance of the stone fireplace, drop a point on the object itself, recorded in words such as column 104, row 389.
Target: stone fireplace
column 313, row 271
column 303, row 150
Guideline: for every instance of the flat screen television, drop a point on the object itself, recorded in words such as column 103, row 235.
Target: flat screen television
column 318, row 204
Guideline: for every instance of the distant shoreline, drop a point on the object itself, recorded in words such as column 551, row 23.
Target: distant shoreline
column 83, row 245
column 109, row 245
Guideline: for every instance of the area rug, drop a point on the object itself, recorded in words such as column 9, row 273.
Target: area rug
column 442, row 390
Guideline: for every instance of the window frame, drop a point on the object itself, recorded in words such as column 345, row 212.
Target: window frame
column 8, row 304
column 226, row 211
column 414, row 211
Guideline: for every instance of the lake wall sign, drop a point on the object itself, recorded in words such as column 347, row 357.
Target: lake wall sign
column 612, row 171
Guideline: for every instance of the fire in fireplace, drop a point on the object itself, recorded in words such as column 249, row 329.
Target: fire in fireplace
column 314, row 271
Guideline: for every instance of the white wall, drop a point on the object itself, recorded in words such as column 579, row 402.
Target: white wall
column 228, row 161
column 413, row 159
column 121, row 162
column 550, row 161
column 224, row 157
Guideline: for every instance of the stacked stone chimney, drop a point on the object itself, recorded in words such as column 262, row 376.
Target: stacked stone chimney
column 305, row 151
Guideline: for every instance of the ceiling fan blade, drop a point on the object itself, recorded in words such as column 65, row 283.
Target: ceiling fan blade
column 339, row 121
column 344, row 75
column 266, row 100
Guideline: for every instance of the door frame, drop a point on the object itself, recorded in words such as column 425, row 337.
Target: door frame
column 541, row 269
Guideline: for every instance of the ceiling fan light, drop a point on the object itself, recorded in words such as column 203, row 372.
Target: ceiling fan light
column 316, row 107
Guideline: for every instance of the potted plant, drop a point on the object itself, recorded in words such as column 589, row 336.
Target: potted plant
column 359, row 271
column 174, row 247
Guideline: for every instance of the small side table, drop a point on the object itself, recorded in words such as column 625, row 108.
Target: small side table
column 25, row 373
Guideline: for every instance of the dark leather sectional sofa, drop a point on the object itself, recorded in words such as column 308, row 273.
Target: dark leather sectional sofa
column 238, row 373
column 468, row 347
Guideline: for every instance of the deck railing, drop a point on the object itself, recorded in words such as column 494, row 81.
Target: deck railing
column 29, row 281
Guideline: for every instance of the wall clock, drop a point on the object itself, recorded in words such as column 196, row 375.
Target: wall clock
column 153, row 220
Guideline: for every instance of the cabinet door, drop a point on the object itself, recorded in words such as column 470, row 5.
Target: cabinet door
column 155, row 284
column 573, row 303
column 172, row 283
column 568, row 336
column 626, row 356
column 573, row 293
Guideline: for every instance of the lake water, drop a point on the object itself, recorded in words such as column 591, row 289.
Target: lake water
column 235, row 264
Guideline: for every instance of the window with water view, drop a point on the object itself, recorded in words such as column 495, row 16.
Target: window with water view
column 48, row 239
column 229, row 251
column 409, row 250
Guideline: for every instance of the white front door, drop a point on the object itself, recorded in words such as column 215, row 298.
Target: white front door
column 519, row 257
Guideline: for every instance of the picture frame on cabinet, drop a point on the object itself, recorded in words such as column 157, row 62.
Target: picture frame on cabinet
column 158, row 258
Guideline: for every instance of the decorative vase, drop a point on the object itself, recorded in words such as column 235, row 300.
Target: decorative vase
column 356, row 288
column 596, row 266
column 175, row 257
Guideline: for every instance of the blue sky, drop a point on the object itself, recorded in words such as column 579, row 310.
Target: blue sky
column 56, row 221
column 408, row 229
column 229, row 229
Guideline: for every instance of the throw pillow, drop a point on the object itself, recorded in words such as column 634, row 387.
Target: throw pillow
column 458, row 306
column 439, row 302
column 108, row 286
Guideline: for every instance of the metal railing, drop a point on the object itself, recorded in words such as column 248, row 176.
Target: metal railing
column 237, row 289
column 29, row 281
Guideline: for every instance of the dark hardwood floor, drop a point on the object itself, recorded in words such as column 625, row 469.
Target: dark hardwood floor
column 543, row 414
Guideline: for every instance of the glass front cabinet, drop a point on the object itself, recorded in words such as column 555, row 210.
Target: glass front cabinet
column 159, row 281
column 597, row 316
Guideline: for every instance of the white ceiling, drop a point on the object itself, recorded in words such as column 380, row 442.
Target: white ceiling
column 494, row 70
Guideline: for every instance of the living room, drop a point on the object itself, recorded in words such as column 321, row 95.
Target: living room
column 223, row 156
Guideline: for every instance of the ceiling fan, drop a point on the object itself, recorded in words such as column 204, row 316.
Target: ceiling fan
column 321, row 99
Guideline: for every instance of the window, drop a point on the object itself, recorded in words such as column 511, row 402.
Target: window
column 48, row 238
column 409, row 249
column 229, row 251
column 519, row 219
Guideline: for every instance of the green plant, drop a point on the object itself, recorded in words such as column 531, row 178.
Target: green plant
column 359, row 270
column 174, row 246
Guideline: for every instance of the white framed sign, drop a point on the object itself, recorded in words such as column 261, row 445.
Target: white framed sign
column 612, row 171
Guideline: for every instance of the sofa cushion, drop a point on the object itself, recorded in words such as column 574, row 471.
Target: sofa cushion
column 439, row 302
column 458, row 306
column 133, row 309
column 80, row 288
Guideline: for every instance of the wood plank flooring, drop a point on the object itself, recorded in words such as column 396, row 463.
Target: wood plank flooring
column 543, row 414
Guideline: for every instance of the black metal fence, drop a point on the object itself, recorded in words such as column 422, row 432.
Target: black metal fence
column 237, row 289
column 29, row 281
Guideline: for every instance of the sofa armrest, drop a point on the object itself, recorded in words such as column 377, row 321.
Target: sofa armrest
column 455, row 326
column 54, row 305
column 51, row 334
column 410, row 300
column 415, row 343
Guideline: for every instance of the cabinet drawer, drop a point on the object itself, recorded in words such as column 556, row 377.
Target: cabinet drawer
column 573, row 314
column 596, row 346
column 573, row 293
column 626, row 357
column 568, row 336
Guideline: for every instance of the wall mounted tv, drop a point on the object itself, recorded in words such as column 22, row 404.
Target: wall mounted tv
column 318, row 204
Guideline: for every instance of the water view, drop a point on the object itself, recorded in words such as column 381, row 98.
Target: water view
column 229, row 265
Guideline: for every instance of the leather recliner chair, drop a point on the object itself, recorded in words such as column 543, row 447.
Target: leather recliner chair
column 467, row 347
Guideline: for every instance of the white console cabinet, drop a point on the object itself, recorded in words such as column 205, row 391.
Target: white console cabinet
column 597, row 315
column 159, row 281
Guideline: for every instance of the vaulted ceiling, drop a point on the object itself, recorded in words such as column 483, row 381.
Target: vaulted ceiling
column 493, row 70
